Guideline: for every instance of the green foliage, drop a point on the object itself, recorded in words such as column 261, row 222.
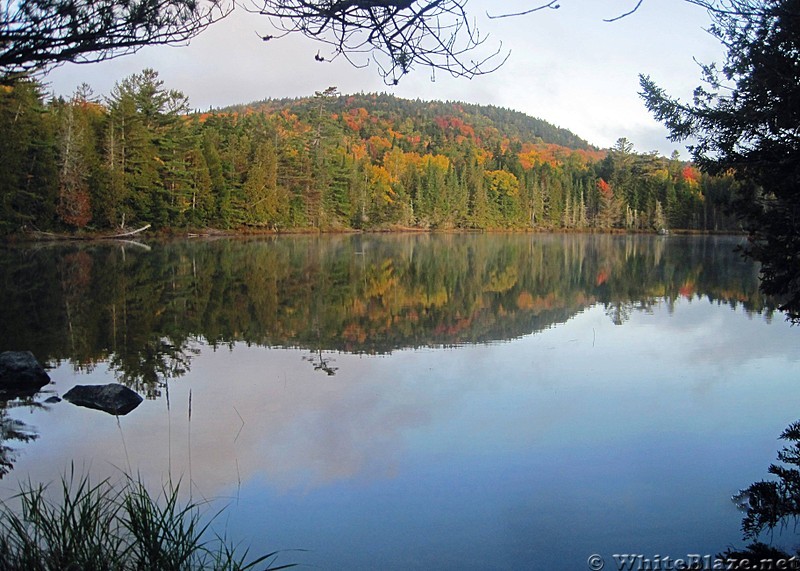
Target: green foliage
column 745, row 121
column 262, row 202
column 28, row 169
column 328, row 162
column 421, row 117
column 111, row 527
column 771, row 504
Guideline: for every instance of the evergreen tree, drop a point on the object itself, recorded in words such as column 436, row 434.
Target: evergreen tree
column 147, row 149
column 220, row 191
column 745, row 122
column 262, row 202
column 29, row 168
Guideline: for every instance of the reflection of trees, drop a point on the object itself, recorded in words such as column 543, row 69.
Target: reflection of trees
column 768, row 504
column 12, row 430
column 321, row 363
column 157, row 360
column 620, row 312
column 772, row 504
column 144, row 311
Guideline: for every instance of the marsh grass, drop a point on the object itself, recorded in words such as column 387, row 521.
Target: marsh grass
column 111, row 526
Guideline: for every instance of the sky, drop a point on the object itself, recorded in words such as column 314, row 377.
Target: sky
column 566, row 66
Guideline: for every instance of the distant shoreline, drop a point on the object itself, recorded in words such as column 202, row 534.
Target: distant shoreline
column 79, row 236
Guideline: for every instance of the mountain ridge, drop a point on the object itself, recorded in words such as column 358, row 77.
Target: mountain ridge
column 515, row 126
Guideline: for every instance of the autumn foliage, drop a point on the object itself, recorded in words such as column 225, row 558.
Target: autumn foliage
column 327, row 162
column 690, row 175
column 604, row 188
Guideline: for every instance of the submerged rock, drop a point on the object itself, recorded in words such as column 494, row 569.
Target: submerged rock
column 112, row 398
column 20, row 371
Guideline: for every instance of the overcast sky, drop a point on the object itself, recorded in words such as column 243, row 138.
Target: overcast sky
column 566, row 66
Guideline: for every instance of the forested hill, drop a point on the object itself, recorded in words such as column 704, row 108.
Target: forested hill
column 139, row 155
column 482, row 123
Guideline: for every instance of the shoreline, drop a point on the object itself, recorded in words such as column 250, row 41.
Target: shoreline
column 82, row 236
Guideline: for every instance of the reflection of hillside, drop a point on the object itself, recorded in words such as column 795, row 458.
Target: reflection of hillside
column 366, row 293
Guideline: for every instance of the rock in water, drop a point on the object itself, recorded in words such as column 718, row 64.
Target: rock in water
column 112, row 398
column 20, row 371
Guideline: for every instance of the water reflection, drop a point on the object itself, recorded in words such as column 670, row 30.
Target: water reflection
column 144, row 314
column 430, row 438
column 13, row 430
column 771, row 511
column 145, row 311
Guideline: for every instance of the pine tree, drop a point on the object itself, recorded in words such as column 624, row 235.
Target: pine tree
column 29, row 168
column 745, row 121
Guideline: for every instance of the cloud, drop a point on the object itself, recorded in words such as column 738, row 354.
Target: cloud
column 266, row 415
column 567, row 66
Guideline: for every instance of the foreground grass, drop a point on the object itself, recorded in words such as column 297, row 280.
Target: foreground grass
column 113, row 527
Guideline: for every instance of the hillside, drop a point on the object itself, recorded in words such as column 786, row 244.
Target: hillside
column 328, row 162
column 481, row 123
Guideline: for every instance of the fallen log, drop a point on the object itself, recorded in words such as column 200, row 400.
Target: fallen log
column 38, row 235
column 131, row 233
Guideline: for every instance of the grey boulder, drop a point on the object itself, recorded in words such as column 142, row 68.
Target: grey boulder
column 112, row 398
column 20, row 371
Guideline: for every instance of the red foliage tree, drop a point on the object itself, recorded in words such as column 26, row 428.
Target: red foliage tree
column 604, row 188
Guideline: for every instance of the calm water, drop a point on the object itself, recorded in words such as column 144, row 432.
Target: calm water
column 424, row 402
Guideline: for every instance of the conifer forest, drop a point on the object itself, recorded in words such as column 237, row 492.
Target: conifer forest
column 328, row 162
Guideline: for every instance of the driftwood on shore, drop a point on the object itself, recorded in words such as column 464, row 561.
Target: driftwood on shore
column 37, row 235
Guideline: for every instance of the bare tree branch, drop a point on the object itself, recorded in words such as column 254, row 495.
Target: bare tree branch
column 553, row 5
column 36, row 35
column 626, row 14
column 396, row 35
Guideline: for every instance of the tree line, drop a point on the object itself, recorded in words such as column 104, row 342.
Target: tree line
column 328, row 162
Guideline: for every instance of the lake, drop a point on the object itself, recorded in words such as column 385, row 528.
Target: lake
column 419, row 401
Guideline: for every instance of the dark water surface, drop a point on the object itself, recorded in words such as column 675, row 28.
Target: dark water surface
column 424, row 402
